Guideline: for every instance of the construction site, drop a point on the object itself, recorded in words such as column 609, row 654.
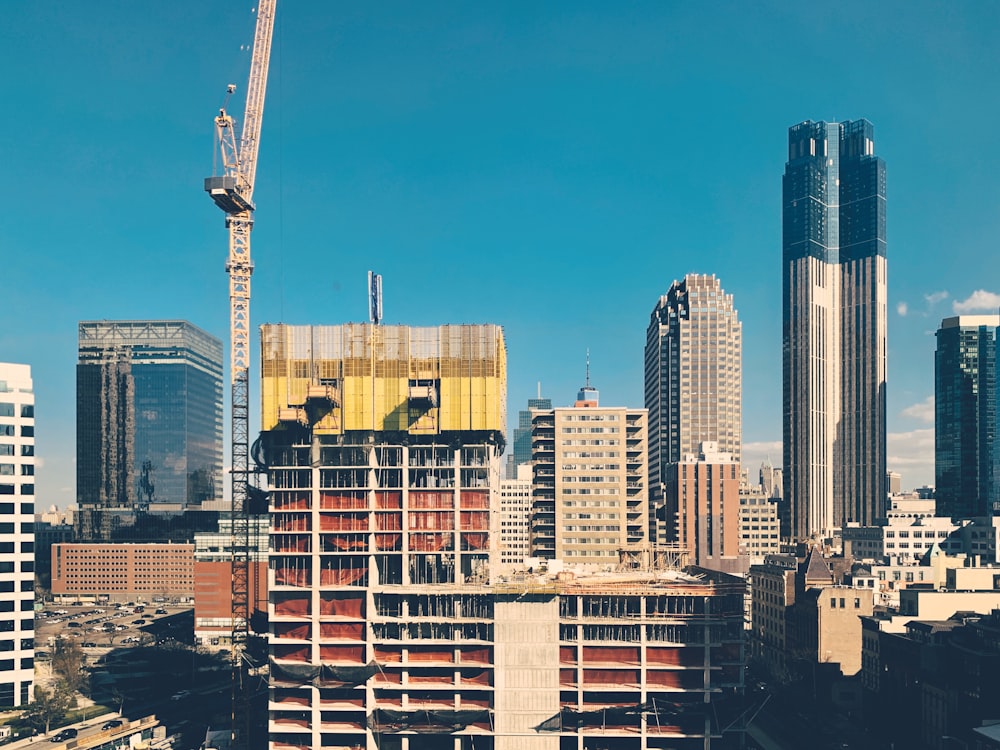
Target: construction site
column 389, row 627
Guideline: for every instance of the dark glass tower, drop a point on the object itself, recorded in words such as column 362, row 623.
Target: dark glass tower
column 149, row 424
column 522, row 434
column 833, row 328
column 965, row 414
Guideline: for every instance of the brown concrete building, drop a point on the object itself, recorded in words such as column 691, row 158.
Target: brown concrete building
column 122, row 571
column 702, row 508
column 213, row 580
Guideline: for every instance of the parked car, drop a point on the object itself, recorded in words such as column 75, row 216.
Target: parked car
column 66, row 734
column 180, row 695
column 112, row 724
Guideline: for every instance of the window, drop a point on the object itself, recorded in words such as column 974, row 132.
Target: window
column 27, row 430
column 7, row 429
column 28, row 411
column 857, row 604
column 27, row 489
column 27, row 450
column 6, row 409
column 6, row 449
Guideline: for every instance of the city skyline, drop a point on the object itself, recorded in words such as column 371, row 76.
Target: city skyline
column 530, row 159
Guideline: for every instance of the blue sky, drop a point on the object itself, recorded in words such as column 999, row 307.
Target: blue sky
column 550, row 167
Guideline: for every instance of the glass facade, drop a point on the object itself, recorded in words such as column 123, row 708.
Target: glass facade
column 522, row 433
column 965, row 415
column 833, row 328
column 149, row 424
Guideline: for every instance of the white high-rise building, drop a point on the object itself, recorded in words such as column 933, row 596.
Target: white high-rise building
column 515, row 515
column 17, row 554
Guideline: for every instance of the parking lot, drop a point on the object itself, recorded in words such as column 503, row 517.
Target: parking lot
column 101, row 627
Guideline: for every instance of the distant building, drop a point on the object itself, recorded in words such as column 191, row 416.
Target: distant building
column 894, row 483
column 149, row 427
column 902, row 536
column 771, row 479
column 120, row 572
column 213, row 580
column 760, row 528
column 520, row 452
column 833, row 328
column 515, row 515
column 47, row 534
column 693, row 378
column 701, row 508
column 589, row 487
column 933, row 676
column 965, row 414
column 804, row 612
column 17, row 555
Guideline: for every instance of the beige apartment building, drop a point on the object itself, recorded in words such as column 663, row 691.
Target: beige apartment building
column 589, row 492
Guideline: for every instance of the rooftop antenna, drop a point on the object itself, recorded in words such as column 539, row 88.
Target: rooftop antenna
column 539, row 389
column 588, row 367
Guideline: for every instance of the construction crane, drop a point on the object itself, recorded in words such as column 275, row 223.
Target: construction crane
column 232, row 190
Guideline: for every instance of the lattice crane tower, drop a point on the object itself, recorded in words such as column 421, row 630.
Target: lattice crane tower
column 232, row 191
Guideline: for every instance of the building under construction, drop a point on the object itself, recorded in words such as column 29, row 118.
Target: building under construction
column 389, row 627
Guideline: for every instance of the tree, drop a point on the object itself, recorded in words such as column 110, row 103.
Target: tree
column 46, row 708
column 68, row 661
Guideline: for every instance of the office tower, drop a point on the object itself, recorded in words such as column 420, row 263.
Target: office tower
column 515, row 514
column 833, row 328
column 965, row 414
column 17, row 563
column 589, row 486
column 521, row 452
column 701, row 508
column 693, row 377
column 149, row 424
column 770, row 480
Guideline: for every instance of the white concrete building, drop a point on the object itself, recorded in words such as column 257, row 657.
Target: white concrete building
column 515, row 513
column 17, row 554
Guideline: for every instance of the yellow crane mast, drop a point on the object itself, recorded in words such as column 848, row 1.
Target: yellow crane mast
column 232, row 191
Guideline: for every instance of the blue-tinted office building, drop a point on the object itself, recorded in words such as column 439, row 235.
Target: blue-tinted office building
column 965, row 415
column 149, row 424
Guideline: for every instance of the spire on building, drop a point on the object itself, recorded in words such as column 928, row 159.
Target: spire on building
column 588, row 396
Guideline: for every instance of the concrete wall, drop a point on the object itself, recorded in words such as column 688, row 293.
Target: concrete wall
column 526, row 676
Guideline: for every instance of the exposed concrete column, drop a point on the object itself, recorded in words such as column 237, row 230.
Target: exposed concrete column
column 526, row 671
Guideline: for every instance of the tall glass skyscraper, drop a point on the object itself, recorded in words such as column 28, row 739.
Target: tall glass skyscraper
column 965, row 415
column 521, row 448
column 833, row 328
column 149, row 422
